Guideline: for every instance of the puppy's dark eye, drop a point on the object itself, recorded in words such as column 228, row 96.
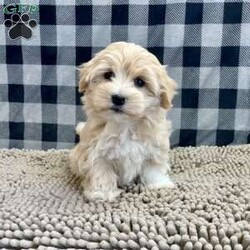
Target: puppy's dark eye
column 139, row 82
column 108, row 75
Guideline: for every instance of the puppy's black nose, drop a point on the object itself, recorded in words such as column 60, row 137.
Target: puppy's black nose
column 118, row 100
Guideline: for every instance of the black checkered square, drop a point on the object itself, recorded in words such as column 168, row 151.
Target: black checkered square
column 15, row 93
column 194, row 13
column 156, row 14
column 232, row 12
column 47, row 14
column 119, row 15
column 83, row 14
column 14, row 54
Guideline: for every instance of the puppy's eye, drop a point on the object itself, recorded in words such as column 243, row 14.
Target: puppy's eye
column 108, row 75
column 139, row 82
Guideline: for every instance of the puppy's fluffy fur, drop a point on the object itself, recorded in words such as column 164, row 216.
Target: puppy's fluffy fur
column 128, row 138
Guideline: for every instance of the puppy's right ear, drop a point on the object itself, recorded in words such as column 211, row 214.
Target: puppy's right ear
column 84, row 76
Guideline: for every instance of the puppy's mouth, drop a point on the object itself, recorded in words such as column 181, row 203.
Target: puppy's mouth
column 117, row 109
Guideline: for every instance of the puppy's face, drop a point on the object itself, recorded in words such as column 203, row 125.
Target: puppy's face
column 125, row 80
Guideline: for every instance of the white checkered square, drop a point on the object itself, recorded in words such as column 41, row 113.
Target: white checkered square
column 209, row 77
column 66, row 35
column 207, row 119
column 242, row 119
column 174, row 35
column 141, row 34
column 3, row 74
column 243, row 78
column 34, row 145
column 101, row 35
column 211, row 35
column 3, row 33
column 32, row 112
column 66, row 75
column 5, row 143
column 4, row 114
column 32, row 74
column 66, row 114
column 68, row 2
column 101, row 2
column 139, row 2
column 245, row 34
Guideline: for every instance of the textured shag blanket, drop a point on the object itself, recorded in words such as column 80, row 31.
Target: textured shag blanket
column 42, row 206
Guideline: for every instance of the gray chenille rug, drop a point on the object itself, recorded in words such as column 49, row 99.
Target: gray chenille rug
column 42, row 206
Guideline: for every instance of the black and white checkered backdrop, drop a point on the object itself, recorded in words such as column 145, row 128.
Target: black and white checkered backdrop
column 206, row 45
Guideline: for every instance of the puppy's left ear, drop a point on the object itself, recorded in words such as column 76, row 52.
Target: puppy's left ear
column 84, row 76
column 167, row 89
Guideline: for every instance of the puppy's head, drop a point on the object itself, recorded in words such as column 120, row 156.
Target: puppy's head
column 125, row 80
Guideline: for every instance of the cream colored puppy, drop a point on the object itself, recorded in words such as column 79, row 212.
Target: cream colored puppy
column 126, row 94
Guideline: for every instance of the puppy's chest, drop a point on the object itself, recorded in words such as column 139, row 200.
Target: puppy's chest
column 123, row 146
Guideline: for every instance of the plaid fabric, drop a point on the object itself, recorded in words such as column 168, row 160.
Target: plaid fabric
column 204, row 43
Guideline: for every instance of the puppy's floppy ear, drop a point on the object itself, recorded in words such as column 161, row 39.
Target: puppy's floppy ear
column 167, row 89
column 84, row 76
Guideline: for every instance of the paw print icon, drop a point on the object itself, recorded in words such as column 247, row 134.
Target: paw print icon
column 20, row 26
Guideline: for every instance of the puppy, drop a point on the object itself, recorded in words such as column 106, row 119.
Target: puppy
column 126, row 95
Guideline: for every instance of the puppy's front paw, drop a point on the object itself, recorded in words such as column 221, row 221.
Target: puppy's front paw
column 162, row 183
column 154, row 179
column 100, row 195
